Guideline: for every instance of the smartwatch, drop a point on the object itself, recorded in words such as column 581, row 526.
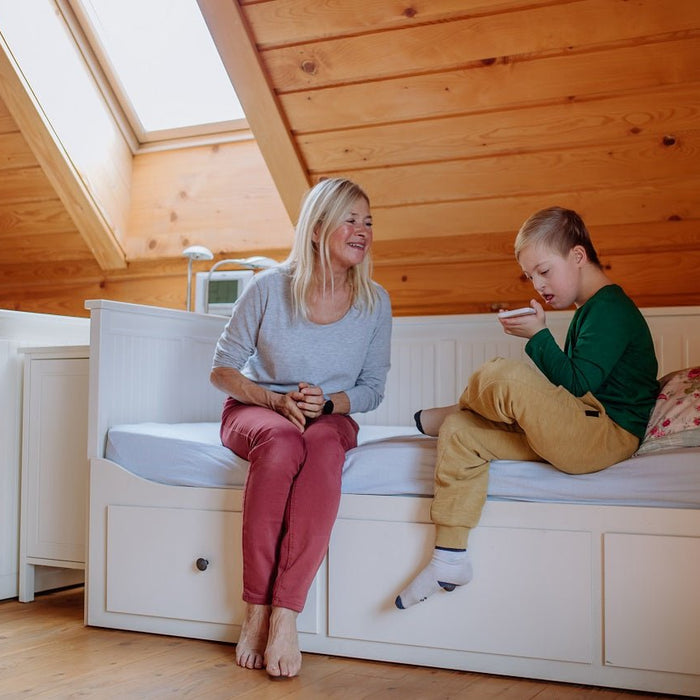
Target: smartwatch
column 327, row 407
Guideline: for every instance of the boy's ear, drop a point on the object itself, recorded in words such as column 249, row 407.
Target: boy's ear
column 579, row 253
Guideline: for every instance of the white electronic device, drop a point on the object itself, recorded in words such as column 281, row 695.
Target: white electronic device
column 217, row 291
column 517, row 312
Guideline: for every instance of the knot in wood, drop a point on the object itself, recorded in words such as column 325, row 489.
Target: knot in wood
column 309, row 67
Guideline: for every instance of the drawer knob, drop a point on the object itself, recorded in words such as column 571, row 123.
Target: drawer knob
column 202, row 563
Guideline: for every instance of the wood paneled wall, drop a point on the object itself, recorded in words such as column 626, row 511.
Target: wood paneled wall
column 463, row 118
column 459, row 117
column 220, row 195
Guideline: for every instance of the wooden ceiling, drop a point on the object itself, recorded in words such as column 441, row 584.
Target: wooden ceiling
column 460, row 118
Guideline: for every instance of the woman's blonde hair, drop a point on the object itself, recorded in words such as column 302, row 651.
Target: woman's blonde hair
column 559, row 229
column 324, row 209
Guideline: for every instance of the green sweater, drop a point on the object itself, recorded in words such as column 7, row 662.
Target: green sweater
column 609, row 352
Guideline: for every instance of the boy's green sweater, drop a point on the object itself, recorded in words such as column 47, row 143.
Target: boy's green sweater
column 609, row 352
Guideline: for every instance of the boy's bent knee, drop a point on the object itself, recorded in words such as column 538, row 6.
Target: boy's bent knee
column 501, row 368
column 492, row 374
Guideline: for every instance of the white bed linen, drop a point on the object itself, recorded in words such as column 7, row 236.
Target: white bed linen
column 400, row 461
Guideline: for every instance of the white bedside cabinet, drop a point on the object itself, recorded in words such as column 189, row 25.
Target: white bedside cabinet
column 54, row 476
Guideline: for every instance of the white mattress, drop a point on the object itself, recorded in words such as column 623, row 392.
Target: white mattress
column 400, row 461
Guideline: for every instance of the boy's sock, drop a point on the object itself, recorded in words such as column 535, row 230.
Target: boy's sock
column 447, row 569
column 416, row 417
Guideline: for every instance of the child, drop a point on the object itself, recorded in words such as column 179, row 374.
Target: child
column 586, row 410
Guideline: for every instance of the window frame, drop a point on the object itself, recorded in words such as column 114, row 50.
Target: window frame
column 120, row 105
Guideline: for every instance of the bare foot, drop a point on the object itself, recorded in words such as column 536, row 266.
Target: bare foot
column 431, row 418
column 282, row 655
column 250, row 648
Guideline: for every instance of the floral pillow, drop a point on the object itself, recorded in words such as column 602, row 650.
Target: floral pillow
column 675, row 420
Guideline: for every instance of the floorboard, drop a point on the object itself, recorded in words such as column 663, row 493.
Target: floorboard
column 47, row 652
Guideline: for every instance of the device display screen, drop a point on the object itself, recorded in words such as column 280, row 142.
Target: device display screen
column 223, row 291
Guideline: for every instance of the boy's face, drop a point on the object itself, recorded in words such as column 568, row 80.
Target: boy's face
column 555, row 277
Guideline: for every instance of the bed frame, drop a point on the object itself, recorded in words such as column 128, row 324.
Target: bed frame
column 601, row 595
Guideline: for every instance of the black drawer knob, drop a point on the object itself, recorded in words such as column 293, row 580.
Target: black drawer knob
column 202, row 563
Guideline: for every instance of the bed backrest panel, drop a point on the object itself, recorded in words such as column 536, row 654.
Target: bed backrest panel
column 151, row 364
column 433, row 356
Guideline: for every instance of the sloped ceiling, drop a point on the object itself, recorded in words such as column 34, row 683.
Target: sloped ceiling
column 461, row 118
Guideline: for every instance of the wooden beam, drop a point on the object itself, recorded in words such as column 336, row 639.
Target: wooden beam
column 260, row 104
column 56, row 163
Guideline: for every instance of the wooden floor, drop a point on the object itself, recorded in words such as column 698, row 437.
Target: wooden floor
column 45, row 651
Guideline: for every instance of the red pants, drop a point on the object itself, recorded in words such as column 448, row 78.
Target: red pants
column 291, row 497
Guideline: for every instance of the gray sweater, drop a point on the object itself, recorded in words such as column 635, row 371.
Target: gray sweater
column 277, row 349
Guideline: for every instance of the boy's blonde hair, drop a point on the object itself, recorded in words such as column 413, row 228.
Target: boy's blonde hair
column 559, row 229
column 324, row 209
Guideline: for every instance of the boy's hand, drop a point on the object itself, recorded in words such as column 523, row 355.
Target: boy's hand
column 528, row 325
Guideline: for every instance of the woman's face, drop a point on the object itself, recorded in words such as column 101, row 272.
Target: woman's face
column 349, row 243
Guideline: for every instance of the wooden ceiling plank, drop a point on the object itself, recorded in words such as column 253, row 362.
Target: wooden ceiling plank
column 654, row 236
column 26, row 185
column 55, row 247
column 295, row 21
column 449, row 45
column 266, row 120
column 15, row 152
column 589, row 167
column 57, row 164
column 34, row 217
column 547, row 127
column 665, row 201
column 499, row 85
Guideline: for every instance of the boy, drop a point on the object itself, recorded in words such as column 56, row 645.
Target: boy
column 586, row 409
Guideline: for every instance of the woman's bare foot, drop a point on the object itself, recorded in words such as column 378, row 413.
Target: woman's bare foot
column 250, row 649
column 282, row 655
column 431, row 418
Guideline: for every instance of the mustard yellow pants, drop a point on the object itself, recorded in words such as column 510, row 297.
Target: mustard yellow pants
column 510, row 410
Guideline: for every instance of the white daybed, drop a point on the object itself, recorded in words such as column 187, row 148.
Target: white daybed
column 592, row 592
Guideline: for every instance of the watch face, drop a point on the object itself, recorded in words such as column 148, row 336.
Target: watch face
column 327, row 407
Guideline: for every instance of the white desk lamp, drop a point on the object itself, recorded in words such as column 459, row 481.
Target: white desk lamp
column 194, row 252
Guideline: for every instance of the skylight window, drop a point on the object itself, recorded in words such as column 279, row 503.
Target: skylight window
column 162, row 64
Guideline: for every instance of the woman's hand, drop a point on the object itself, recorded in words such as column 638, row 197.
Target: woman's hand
column 528, row 325
column 233, row 383
column 311, row 400
column 287, row 405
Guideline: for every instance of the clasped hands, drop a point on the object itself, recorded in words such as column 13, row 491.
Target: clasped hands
column 302, row 404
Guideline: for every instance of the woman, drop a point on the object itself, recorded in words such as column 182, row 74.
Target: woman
column 307, row 344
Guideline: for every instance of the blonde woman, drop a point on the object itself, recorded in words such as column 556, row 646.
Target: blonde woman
column 307, row 344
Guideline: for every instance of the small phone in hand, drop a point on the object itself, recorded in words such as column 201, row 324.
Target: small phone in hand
column 516, row 312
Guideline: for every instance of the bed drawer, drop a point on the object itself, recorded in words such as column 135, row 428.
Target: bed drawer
column 182, row 564
column 172, row 562
column 652, row 605
column 530, row 596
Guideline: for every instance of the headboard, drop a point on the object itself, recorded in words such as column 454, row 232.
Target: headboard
column 152, row 364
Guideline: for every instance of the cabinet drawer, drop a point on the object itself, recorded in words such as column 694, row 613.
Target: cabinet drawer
column 152, row 556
